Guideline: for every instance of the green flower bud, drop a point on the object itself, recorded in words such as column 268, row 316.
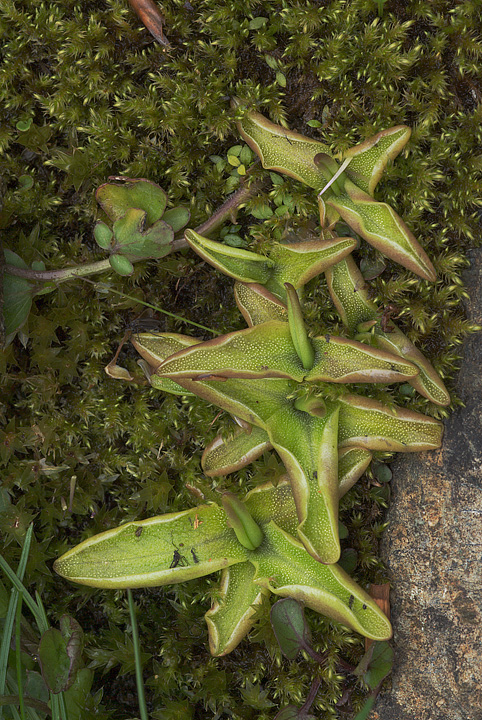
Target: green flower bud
column 247, row 531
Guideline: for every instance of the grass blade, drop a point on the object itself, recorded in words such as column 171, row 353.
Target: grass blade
column 12, row 609
column 18, row 659
column 29, row 601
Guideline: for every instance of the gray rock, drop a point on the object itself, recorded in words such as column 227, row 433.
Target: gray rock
column 433, row 549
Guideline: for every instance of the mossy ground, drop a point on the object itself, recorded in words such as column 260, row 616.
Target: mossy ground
column 79, row 452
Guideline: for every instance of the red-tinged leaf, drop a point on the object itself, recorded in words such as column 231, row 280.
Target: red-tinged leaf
column 134, row 240
column 74, row 637
column 371, row 269
column 290, row 627
column 152, row 18
column 60, row 654
column 375, row 665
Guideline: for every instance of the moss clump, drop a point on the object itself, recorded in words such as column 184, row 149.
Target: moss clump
column 86, row 94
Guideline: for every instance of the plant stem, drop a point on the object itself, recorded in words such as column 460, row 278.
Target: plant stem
column 311, row 695
column 227, row 209
column 137, row 656
column 155, row 307
column 28, row 702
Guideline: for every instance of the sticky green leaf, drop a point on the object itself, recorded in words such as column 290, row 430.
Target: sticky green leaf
column 299, row 335
column 149, row 553
column 226, row 456
column 380, row 225
column 241, row 264
column 232, row 614
column 364, row 713
column 281, row 149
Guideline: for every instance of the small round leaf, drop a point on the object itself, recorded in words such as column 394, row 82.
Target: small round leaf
column 25, row 182
column 177, row 217
column 24, row 125
column 348, row 560
column 382, row 472
column 121, row 265
column 103, row 235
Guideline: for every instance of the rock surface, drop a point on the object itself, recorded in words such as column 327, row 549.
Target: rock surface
column 433, row 549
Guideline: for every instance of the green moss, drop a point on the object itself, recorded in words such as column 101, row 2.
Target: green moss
column 80, row 453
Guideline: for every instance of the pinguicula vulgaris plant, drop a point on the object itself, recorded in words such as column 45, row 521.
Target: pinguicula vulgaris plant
column 252, row 542
column 286, row 389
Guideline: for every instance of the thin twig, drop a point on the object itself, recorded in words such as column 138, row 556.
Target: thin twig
column 227, row 210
